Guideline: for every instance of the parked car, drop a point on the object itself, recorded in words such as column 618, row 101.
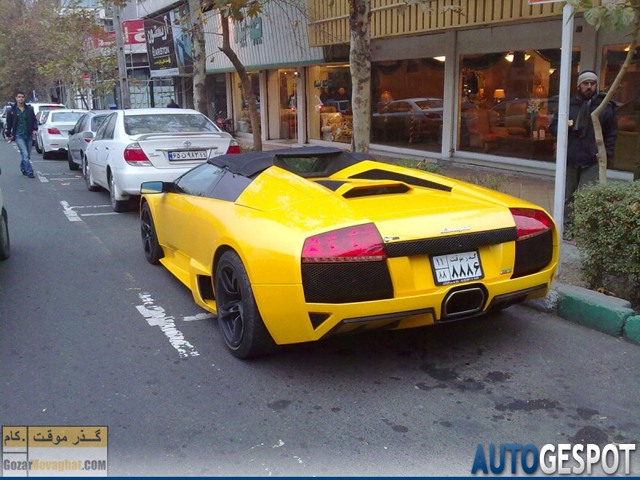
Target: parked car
column 3, row 118
column 53, row 134
column 301, row 244
column 133, row 146
column 5, row 246
column 41, row 117
column 409, row 119
column 81, row 135
column 38, row 107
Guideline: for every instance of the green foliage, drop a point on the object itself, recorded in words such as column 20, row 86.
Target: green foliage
column 613, row 15
column 491, row 181
column 606, row 228
column 419, row 164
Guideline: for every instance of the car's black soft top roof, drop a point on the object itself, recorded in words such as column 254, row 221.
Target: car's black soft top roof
column 248, row 164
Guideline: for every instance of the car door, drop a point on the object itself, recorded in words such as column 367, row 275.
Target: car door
column 74, row 145
column 175, row 209
column 103, row 149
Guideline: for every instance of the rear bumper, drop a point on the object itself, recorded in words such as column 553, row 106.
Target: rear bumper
column 129, row 178
column 55, row 144
column 287, row 315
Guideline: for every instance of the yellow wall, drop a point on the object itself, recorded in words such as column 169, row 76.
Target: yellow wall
column 329, row 24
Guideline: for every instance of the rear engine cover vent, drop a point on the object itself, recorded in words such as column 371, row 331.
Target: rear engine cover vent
column 372, row 190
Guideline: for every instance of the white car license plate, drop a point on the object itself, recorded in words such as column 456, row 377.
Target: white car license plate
column 456, row 268
column 188, row 155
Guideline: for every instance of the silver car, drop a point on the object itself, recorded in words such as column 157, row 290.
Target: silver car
column 81, row 135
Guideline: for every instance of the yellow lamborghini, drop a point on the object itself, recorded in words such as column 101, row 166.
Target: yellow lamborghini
column 296, row 245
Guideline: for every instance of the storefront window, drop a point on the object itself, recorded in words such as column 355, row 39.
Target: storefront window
column 330, row 115
column 407, row 103
column 507, row 101
column 627, row 96
column 288, row 89
column 243, row 120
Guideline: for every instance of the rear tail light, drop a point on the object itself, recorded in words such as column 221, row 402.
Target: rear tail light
column 233, row 147
column 88, row 140
column 361, row 243
column 134, row 155
column 530, row 222
column 53, row 131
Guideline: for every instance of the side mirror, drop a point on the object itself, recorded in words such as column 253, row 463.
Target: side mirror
column 148, row 188
column 71, row 132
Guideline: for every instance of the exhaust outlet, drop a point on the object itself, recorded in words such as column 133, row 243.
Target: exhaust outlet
column 463, row 302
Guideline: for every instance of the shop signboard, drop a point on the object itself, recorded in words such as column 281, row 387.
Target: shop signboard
column 169, row 43
column 133, row 31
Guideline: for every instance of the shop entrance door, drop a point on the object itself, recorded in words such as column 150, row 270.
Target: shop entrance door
column 288, row 109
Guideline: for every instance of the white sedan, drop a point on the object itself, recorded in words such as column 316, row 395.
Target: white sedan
column 150, row 144
column 5, row 247
column 53, row 133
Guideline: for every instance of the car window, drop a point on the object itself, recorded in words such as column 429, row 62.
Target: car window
column 51, row 107
column 66, row 117
column 168, row 123
column 96, row 121
column 101, row 130
column 110, row 128
column 399, row 107
column 78, row 126
column 199, row 181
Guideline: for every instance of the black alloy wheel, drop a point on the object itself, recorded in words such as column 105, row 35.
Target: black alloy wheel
column 241, row 325
column 152, row 249
column 72, row 165
column 5, row 246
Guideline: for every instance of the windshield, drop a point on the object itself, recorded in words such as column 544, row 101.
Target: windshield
column 51, row 107
column 168, row 123
column 67, row 117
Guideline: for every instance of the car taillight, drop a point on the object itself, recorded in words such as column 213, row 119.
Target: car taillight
column 53, row 131
column 88, row 140
column 530, row 222
column 134, row 155
column 233, row 147
column 361, row 243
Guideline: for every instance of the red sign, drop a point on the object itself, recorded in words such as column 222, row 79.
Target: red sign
column 133, row 31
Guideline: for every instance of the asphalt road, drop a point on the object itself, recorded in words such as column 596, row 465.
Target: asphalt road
column 75, row 349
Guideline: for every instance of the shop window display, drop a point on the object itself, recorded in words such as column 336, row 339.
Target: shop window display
column 330, row 114
column 243, row 119
column 627, row 98
column 507, row 101
column 408, row 103
column 288, row 91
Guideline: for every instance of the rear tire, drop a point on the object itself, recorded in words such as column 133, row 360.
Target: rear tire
column 88, row 179
column 119, row 206
column 72, row 165
column 46, row 155
column 241, row 325
column 5, row 245
column 38, row 149
column 152, row 249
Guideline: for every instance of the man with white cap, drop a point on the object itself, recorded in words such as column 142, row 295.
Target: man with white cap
column 582, row 159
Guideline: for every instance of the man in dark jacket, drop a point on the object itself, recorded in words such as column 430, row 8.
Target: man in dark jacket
column 21, row 126
column 173, row 104
column 582, row 160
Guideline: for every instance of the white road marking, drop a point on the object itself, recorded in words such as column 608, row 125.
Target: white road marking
column 42, row 178
column 70, row 214
column 65, row 179
column 156, row 317
column 98, row 214
column 91, row 206
column 199, row 316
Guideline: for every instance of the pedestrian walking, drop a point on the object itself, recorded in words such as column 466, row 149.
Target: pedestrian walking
column 173, row 104
column 21, row 126
column 582, row 151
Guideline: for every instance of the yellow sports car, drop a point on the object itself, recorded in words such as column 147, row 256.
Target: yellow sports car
column 296, row 245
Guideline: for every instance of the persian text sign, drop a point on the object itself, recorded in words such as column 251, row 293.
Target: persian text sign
column 59, row 451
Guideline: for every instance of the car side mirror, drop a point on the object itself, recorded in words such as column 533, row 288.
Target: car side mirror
column 148, row 188
column 71, row 132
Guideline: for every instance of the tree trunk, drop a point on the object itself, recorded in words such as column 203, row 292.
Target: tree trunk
column 360, row 63
column 246, row 83
column 595, row 115
column 199, row 57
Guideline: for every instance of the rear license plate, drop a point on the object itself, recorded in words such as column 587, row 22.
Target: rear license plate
column 456, row 268
column 188, row 155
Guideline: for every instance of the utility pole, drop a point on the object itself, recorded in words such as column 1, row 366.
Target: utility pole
column 122, row 64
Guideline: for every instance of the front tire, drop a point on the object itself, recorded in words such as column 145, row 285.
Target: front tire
column 241, row 325
column 5, row 245
column 152, row 249
column 119, row 206
column 72, row 165
column 88, row 179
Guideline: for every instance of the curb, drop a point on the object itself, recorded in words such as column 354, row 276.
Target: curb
column 591, row 309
